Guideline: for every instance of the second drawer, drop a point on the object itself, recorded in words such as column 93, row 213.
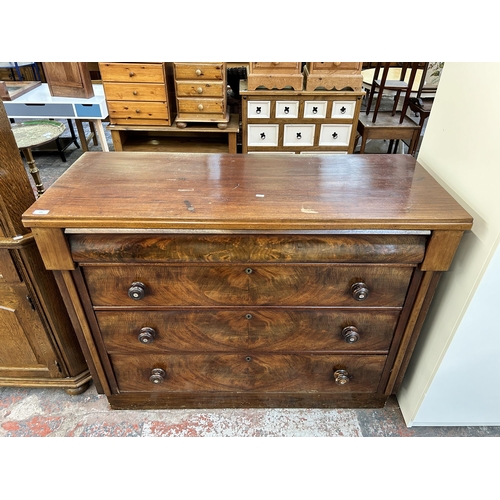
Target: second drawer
column 207, row 285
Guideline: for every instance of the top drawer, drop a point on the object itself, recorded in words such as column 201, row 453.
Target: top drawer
column 369, row 248
column 199, row 71
column 276, row 67
column 132, row 72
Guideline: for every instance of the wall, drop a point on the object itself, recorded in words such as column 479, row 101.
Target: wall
column 454, row 375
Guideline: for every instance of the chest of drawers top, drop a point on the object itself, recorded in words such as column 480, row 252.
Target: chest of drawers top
column 148, row 191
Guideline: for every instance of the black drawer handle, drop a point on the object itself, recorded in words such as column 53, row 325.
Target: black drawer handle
column 137, row 290
column 350, row 334
column 262, row 135
column 147, row 335
column 335, row 135
column 157, row 376
column 359, row 291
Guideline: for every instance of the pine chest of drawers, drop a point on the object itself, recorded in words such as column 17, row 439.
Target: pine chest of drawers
column 302, row 122
column 247, row 280
column 201, row 93
column 139, row 93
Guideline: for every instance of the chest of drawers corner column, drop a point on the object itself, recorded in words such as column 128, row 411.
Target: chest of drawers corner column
column 288, row 121
column 247, row 280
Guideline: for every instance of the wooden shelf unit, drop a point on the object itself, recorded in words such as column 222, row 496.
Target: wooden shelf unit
column 201, row 138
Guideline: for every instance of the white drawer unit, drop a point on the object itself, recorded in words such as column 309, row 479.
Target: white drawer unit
column 287, row 109
column 335, row 134
column 263, row 135
column 343, row 109
column 315, row 109
column 299, row 122
column 298, row 135
column 259, row 109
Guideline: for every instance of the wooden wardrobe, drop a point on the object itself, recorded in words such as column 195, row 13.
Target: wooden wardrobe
column 38, row 347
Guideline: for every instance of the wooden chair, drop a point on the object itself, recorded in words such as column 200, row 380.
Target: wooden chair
column 399, row 86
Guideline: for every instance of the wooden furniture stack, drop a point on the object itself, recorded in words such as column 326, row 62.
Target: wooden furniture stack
column 275, row 75
column 146, row 104
column 39, row 346
column 333, row 76
column 205, row 281
column 288, row 121
column 138, row 93
column 201, row 93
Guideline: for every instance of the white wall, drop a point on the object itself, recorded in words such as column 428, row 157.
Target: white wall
column 454, row 375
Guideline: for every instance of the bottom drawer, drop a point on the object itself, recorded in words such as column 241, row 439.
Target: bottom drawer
column 247, row 372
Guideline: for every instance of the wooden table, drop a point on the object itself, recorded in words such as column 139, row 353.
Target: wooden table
column 32, row 134
column 200, row 138
column 388, row 127
column 205, row 281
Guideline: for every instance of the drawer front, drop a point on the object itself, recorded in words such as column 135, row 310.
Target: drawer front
column 29, row 110
column 208, row 105
column 200, row 89
column 298, row 135
column 126, row 110
column 232, row 330
column 315, row 109
column 335, row 134
column 329, row 67
column 259, row 109
column 287, row 109
column 135, row 92
column 219, row 285
column 199, row 71
column 263, row 135
column 246, row 372
column 366, row 248
column 276, row 67
column 343, row 109
column 132, row 72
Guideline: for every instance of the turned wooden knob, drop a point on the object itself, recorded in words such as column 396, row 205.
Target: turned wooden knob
column 350, row 334
column 359, row 291
column 198, row 72
column 134, row 92
column 157, row 376
column 137, row 290
column 199, row 90
column 131, row 73
column 200, row 107
column 146, row 335
column 341, row 377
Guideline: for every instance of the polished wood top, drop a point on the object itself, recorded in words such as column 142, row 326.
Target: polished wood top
column 262, row 192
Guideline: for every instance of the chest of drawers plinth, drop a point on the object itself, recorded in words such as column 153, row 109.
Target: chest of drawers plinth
column 203, row 281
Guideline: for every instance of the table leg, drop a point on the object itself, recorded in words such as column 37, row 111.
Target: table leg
column 81, row 134
column 35, row 173
column 232, row 148
column 100, row 132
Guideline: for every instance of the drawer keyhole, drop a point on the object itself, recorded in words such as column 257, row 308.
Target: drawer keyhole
column 248, row 316
column 249, row 270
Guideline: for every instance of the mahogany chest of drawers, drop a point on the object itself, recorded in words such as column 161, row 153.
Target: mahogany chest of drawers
column 247, row 280
column 139, row 93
